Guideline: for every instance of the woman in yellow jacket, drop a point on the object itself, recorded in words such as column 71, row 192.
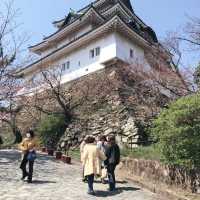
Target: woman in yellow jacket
column 27, row 147
column 91, row 157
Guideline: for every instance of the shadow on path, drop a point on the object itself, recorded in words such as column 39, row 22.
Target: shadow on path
column 119, row 190
column 119, row 182
column 39, row 182
column 128, row 188
column 99, row 193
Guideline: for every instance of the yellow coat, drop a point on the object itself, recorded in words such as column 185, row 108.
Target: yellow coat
column 27, row 144
column 91, row 159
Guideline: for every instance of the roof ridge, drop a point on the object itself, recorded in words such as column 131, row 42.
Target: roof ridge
column 45, row 39
column 87, row 6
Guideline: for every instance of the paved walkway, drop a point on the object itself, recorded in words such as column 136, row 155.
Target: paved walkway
column 54, row 180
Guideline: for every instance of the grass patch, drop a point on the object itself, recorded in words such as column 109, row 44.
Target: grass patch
column 148, row 153
column 75, row 153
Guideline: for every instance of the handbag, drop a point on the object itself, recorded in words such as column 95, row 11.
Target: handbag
column 31, row 156
column 104, row 173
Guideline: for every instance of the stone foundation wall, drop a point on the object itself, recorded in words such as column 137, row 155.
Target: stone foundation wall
column 110, row 100
column 154, row 171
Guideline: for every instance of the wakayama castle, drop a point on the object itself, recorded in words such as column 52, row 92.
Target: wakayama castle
column 101, row 34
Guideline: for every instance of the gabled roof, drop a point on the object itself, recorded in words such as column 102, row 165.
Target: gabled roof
column 127, row 3
column 66, row 28
column 59, row 23
column 72, row 18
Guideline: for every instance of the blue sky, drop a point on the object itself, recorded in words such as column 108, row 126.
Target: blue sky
column 161, row 15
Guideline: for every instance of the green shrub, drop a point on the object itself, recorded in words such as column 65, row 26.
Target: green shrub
column 177, row 130
column 50, row 129
column 142, row 152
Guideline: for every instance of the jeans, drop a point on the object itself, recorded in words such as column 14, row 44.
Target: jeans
column 111, row 176
column 23, row 167
column 90, row 179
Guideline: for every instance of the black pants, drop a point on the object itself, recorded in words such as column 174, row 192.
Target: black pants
column 111, row 176
column 90, row 179
column 23, row 167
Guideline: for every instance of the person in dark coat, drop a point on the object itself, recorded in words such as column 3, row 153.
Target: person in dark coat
column 1, row 140
column 113, row 158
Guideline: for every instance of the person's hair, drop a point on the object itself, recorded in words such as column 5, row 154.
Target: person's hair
column 90, row 139
column 31, row 132
column 111, row 139
column 103, row 137
column 85, row 138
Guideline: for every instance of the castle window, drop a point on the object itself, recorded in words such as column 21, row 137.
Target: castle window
column 131, row 53
column 68, row 64
column 65, row 65
column 98, row 51
column 92, row 53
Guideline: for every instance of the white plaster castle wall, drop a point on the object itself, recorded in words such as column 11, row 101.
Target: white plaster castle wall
column 88, row 65
column 123, row 50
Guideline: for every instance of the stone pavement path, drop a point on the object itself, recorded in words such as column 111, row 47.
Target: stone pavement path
column 54, row 180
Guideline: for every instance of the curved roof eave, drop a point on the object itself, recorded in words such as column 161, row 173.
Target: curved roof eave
column 48, row 37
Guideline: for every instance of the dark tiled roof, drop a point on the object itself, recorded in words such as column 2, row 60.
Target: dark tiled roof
column 71, row 19
column 127, row 3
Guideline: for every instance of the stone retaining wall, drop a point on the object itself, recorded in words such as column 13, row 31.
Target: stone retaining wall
column 156, row 172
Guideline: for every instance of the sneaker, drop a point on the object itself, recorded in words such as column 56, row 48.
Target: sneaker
column 24, row 176
column 91, row 192
column 84, row 180
column 111, row 189
column 29, row 181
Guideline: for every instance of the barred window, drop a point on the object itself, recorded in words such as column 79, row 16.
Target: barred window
column 66, row 66
column 98, row 51
column 131, row 53
column 92, row 53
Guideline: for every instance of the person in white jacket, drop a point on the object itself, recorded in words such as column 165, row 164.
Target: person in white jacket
column 101, row 145
column 82, row 145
